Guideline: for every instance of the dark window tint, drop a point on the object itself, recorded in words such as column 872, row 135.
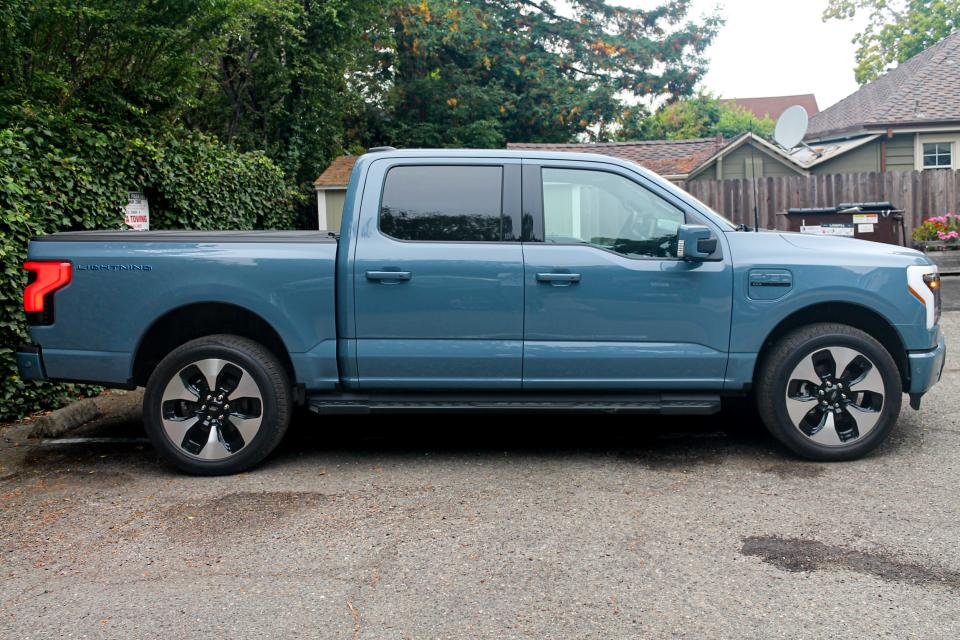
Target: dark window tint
column 442, row 203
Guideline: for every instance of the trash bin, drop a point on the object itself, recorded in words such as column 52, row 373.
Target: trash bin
column 876, row 221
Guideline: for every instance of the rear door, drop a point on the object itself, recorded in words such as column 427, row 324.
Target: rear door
column 609, row 306
column 438, row 276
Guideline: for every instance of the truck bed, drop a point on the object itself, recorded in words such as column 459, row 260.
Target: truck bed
column 126, row 282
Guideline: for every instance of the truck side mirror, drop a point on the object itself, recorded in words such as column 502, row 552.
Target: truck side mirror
column 695, row 242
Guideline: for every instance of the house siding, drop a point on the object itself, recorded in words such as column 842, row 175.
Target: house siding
column 335, row 198
column 900, row 153
column 736, row 163
column 859, row 160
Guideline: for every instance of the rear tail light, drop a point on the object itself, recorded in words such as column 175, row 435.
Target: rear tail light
column 46, row 277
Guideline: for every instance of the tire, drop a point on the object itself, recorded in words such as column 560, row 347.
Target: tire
column 818, row 412
column 217, row 405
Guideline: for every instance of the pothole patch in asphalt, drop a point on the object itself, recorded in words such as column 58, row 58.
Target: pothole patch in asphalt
column 246, row 510
column 786, row 470
column 797, row 554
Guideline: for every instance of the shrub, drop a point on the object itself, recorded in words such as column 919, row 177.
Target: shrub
column 944, row 228
column 59, row 176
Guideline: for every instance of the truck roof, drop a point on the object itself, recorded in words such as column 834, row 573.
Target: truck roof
column 518, row 154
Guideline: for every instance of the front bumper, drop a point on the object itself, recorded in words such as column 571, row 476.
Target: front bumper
column 926, row 366
column 30, row 363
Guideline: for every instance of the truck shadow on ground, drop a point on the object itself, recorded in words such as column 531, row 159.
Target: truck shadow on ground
column 655, row 442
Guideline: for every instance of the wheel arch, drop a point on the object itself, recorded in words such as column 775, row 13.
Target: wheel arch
column 191, row 321
column 848, row 313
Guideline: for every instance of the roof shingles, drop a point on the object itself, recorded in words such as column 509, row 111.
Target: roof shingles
column 773, row 106
column 665, row 157
column 924, row 89
column 337, row 174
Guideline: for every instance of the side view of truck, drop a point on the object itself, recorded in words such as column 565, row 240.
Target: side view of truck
column 488, row 281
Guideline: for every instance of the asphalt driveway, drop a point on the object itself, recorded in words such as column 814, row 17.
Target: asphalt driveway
column 951, row 293
column 588, row 527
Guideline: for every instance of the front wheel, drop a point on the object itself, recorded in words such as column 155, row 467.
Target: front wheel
column 217, row 405
column 829, row 392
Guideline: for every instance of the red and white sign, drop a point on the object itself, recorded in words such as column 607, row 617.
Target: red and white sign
column 136, row 214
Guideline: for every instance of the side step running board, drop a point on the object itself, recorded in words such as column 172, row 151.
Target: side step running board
column 675, row 404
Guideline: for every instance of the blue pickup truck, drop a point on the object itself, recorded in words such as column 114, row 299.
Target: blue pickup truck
column 488, row 281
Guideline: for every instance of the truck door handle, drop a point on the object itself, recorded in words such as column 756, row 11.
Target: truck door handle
column 389, row 275
column 558, row 279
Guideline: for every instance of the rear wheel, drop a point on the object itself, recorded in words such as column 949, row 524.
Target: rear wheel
column 217, row 405
column 829, row 392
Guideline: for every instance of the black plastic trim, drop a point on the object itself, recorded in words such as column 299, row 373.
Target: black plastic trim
column 512, row 211
column 666, row 403
column 532, row 224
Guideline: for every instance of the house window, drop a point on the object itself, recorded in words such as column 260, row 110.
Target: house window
column 937, row 155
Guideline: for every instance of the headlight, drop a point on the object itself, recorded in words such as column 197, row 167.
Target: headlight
column 924, row 284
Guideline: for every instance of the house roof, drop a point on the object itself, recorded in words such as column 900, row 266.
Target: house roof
column 337, row 174
column 819, row 152
column 773, row 106
column 923, row 90
column 666, row 157
column 759, row 144
column 677, row 159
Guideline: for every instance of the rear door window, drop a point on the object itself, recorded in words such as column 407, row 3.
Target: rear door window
column 438, row 203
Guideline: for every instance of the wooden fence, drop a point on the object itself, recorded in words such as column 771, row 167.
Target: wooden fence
column 920, row 194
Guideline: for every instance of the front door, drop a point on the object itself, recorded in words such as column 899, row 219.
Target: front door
column 609, row 306
column 438, row 277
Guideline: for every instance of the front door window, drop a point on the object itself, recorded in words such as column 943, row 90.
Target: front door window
column 608, row 211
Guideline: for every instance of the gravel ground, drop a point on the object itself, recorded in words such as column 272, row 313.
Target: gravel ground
column 590, row 527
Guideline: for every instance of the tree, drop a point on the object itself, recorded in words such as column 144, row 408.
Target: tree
column 700, row 116
column 292, row 79
column 897, row 30
column 109, row 60
column 484, row 72
column 287, row 77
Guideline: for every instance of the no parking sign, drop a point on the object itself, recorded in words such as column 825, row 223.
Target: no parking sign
column 136, row 214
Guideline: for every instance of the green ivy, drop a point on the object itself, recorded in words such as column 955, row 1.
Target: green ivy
column 58, row 176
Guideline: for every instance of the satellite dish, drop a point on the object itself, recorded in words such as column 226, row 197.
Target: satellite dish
column 791, row 127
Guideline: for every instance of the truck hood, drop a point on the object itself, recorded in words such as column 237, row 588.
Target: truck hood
column 851, row 248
